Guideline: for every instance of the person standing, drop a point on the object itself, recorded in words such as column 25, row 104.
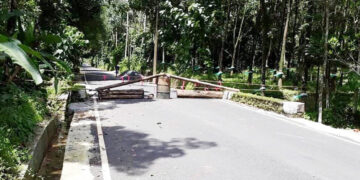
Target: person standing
column 117, row 68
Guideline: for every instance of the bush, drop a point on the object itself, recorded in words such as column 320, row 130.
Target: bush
column 282, row 94
column 8, row 157
column 20, row 112
column 311, row 115
column 267, row 103
column 340, row 113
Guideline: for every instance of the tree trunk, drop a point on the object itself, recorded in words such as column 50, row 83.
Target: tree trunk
column 305, row 77
column 11, row 23
column 358, row 60
column 324, row 68
column 163, row 58
column 156, row 40
column 283, row 48
column 317, row 88
column 163, row 55
column 268, row 53
column 223, row 38
column 13, row 75
column 221, row 55
column 264, row 39
column 302, row 67
column 292, row 54
column 116, row 37
column 143, row 38
column 250, row 76
column 356, row 100
column 341, row 78
column 238, row 40
column 327, row 85
column 127, row 34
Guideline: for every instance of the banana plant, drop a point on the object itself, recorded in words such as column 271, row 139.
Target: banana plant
column 20, row 55
column 13, row 49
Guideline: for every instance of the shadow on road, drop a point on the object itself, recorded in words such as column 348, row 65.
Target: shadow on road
column 115, row 103
column 100, row 76
column 134, row 152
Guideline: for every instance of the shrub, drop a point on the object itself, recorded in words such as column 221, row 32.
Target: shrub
column 267, row 103
column 340, row 113
column 8, row 157
column 310, row 115
column 20, row 112
column 282, row 94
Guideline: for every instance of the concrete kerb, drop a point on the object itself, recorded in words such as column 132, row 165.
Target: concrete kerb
column 79, row 143
column 44, row 134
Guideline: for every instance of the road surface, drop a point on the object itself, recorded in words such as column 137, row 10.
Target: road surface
column 215, row 139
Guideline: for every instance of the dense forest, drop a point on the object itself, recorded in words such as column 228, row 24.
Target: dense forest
column 297, row 50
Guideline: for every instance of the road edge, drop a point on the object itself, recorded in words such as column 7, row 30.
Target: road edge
column 341, row 134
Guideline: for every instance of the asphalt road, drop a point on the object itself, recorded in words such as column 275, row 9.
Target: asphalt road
column 213, row 139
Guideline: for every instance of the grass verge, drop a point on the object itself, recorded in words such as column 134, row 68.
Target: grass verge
column 262, row 102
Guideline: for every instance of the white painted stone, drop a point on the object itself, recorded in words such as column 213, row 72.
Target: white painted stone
column 293, row 107
column 173, row 94
column 228, row 95
column 82, row 93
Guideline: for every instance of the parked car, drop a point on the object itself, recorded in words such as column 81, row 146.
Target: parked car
column 130, row 75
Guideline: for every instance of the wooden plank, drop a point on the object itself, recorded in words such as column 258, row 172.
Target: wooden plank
column 204, row 83
column 122, row 97
column 199, row 94
column 123, row 92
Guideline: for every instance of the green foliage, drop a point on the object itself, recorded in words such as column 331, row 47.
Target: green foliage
column 85, row 15
column 190, row 86
column 20, row 112
column 283, row 94
column 135, row 63
column 267, row 103
column 12, row 48
column 117, row 55
column 340, row 113
column 71, row 48
column 353, row 81
column 311, row 116
column 9, row 157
